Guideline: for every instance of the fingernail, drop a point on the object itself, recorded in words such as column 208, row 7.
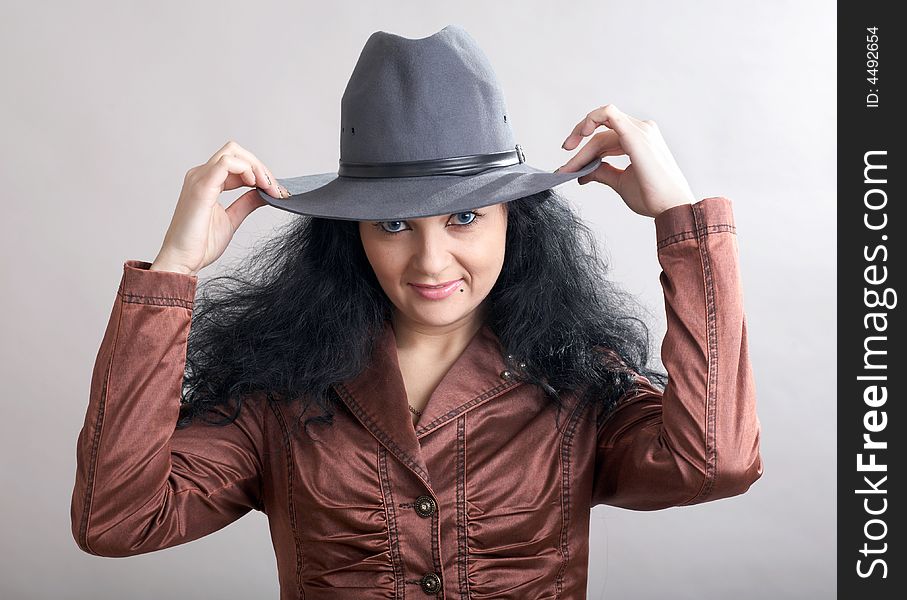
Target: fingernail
column 269, row 178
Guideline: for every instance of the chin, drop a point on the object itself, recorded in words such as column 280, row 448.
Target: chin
column 437, row 316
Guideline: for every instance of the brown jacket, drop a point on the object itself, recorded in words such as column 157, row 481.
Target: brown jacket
column 484, row 498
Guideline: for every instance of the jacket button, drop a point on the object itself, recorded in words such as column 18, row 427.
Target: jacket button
column 425, row 506
column 431, row 583
column 505, row 374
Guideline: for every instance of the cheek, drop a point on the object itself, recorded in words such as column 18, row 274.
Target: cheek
column 375, row 256
column 388, row 265
column 500, row 242
column 487, row 262
column 384, row 264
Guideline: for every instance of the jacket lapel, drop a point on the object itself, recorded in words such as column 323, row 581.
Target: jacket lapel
column 377, row 396
column 477, row 376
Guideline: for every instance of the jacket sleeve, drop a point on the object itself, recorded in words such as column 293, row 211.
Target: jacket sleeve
column 141, row 484
column 699, row 440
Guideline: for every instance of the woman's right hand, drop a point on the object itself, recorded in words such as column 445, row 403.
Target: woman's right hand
column 201, row 228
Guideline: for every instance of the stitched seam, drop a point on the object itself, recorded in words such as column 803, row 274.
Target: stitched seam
column 380, row 434
column 435, row 551
column 96, row 439
column 92, row 465
column 700, row 231
column 156, row 300
column 566, row 449
column 462, row 546
column 453, row 413
column 265, row 462
column 712, row 344
column 393, row 537
column 291, row 506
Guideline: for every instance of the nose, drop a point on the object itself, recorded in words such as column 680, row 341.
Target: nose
column 432, row 253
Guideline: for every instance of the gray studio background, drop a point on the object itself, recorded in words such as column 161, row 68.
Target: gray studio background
column 107, row 104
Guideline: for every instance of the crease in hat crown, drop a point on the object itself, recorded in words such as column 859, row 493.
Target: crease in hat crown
column 414, row 112
column 424, row 99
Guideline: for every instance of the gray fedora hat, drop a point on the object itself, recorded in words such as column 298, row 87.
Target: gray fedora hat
column 424, row 131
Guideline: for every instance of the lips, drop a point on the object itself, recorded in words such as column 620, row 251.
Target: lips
column 437, row 292
column 437, row 286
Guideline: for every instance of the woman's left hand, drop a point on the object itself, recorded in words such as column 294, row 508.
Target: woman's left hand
column 651, row 183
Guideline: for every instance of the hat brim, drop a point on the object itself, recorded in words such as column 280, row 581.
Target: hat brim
column 379, row 199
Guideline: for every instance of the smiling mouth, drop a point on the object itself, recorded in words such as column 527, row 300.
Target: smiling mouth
column 438, row 286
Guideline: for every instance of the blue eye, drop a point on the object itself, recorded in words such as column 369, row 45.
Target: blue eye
column 469, row 214
column 392, row 224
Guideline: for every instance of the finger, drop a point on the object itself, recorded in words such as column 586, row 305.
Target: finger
column 248, row 176
column 266, row 180
column 263, row 175
column 603, row 143
column 608, row 115
column 217, row 174
column 590, row 123
column 243, row 206
column 606, row 173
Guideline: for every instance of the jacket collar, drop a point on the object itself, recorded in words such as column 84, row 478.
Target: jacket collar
column 377, row 396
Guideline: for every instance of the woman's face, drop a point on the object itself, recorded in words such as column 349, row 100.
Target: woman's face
column 465, row 248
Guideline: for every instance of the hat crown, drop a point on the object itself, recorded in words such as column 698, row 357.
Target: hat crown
column 421, row 99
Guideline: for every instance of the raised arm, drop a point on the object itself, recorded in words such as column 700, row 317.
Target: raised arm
column 699, row 441
column 142, row 485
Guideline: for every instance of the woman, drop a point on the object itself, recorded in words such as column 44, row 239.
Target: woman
column 429, row 404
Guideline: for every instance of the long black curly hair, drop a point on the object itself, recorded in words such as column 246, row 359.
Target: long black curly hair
column 304, row 309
